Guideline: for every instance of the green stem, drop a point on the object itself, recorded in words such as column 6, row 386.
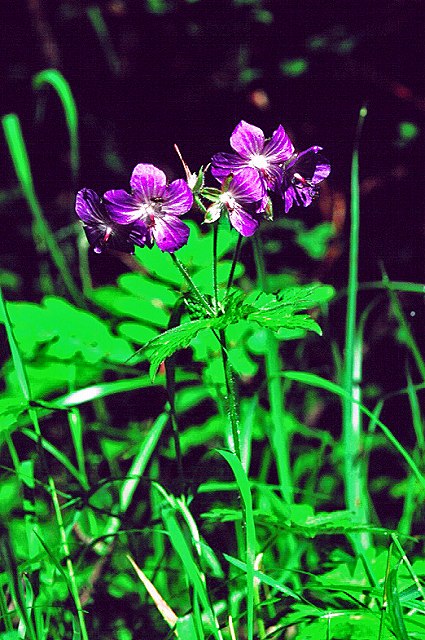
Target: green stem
column 232, row 404
column 69, row 565
column 170, row 370
column 352, row 435
column 234, row 263
column 215, row 261
column 201, row 299
column 280, row 436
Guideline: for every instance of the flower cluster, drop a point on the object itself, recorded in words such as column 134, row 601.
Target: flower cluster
column 151, row 211
column 261, row 166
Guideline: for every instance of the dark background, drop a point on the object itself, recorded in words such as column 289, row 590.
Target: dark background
column 187, row 71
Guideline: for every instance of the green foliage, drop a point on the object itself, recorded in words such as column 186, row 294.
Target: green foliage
column 99, row 465
column 274, row 311
column 55, row 79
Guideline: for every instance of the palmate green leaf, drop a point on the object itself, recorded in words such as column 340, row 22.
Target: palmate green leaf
column 164, row 345
column 315, row 241
column 274, row 311
column 277, row 311
column 65, row 332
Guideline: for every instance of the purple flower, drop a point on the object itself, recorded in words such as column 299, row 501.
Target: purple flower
column 301, row 177
column 240, row 197
column 155, row 205
column 102, row 230
column 253, row 151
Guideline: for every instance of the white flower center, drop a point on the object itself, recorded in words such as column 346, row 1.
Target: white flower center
column 151, row 210
column 228, row 200
column 258, row 162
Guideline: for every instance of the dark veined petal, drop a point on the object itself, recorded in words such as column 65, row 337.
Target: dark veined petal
column 247, row 186
column 300, row 194
column 170, row 233
column 101, row 237
column 273, row 177
column 301, row 177
column 222, row 164
column 178, row 198
column 148, row 181
column 279, row 148
column 289, row 197
column 139, row 234
column 242, row 221
column 122, row 207
column 247, row 140
column 88, row 207
column 310, row 164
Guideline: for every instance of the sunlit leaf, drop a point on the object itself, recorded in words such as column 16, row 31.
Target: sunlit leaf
column 315, row 241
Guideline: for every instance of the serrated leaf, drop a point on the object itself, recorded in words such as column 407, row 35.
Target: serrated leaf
column 164, row 345
column 275, row 319
column 315, row 241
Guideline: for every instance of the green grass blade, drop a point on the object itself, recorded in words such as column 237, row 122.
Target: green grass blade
column 10, row 566
column 263, row 578
column 42, row 233
column 416, row 413
column 164, row 609
column 407, row 333
column 76, row 427
column 280, row 437
column 56, row 453
column 395, row 612
column 105, row 389
column 184, row 552
column 55, row 79
column 251, row 541
column 351, row 430
column 16, row 356
column 135, row 473
column 100, row 27
column 393, row 285
column 313, row 380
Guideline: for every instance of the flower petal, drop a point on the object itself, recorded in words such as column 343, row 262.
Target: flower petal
column 247, row 186
column 170, row 233
column 148, row 181
column 123, row 207
column 242, row 221
column 279, row 148
column 310, row 164
column 247, row 140
column 88, row 207
column 213, row 213
column 178, row 198
column 273, row 177
column 102, row 237
column 222, row 164
column 139, row 234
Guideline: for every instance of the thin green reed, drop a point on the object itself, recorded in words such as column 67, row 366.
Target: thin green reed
column 280, row 435
column 23, row 381
column 43, row 234
column 55, row 79
column 355, row 496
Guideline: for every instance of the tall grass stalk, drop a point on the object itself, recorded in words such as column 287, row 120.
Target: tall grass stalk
column 22, row 377
column 55, row 79
column 273, row 364
column 355, row 495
